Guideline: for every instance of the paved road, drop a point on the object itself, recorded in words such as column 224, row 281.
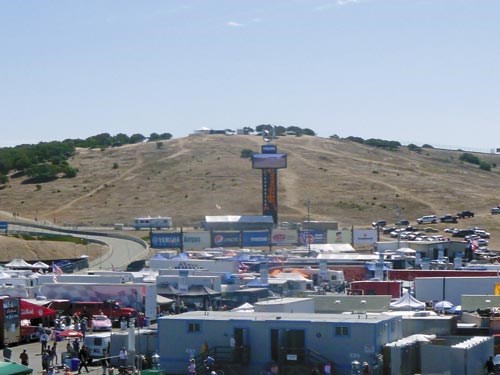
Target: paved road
column 121, row 251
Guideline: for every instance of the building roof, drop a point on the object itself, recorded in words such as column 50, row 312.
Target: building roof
column 239, row 219
column 274, row 316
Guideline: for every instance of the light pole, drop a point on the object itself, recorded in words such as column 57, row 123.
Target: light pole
column 398, row 224
column 308, row 227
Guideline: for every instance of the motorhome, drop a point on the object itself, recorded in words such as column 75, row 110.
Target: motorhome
column 160, row 222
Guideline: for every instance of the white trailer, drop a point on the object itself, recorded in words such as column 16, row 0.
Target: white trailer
column 452, row 288
column 160, row 222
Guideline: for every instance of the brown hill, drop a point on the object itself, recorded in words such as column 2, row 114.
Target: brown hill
column 188, row 178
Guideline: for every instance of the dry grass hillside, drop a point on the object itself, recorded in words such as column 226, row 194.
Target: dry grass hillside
column 191, row 177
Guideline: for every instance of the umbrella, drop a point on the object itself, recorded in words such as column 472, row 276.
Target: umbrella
column 70, row 333
column 443, row 305
column 456, row 309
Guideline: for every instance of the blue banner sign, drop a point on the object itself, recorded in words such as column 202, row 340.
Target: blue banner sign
column 166, row 240
column 4, row 225
column 226, row 239
column 256, row 238
column 312, row 236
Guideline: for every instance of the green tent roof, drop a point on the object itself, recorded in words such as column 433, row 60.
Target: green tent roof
column 12, row 368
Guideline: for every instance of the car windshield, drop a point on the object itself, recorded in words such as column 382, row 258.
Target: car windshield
column 100, row 317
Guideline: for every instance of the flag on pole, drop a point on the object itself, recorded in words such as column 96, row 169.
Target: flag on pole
column 57, row 271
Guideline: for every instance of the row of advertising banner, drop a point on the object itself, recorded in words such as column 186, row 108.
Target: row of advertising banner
column 259, row 238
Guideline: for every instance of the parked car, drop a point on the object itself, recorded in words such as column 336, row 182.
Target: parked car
column 402, row 223
column 448, row 219
column 464, row 214
column 101, row 323
column 463, row 232
column 427, row 219
column 495, row 210
column 387, row 230
column 431, row 230
column 380, row 223
column 482, row 233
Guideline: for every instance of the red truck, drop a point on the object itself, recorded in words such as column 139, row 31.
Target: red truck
column 110, row 308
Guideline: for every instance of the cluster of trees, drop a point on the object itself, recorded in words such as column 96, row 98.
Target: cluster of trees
column 281, row 130
column 41, row 163
column 47, row 161
column 473, row 159
column 380, row 143
column 105, row 140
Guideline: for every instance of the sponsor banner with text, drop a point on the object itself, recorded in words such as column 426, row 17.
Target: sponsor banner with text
column 284, row 237
column 226, row 239
column 256, row 238
column 165, row 240
column 196, row 240
column 364, row 236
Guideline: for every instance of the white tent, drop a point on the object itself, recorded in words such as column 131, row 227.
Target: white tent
column 246, row 307
column 18, row 263
column 443, row 306
column 407, row 302
column 41, row 265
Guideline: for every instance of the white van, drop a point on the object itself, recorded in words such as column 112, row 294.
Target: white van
column 97, row 343
column 427, row 219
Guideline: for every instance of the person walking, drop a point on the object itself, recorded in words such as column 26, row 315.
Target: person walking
column 76, row 346
column 45, row 360
column 104, row 364
column 24, row 358
column 83, row 327
column 123, row 355
column 44, row 339
column 51, row 355
column 84, row 357
column 53, row 352
column 490, row 366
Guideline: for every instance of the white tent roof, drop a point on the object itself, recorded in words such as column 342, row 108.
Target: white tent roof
column 246, row 307
column 18, row 263
column 407, row 302
column 40, row 264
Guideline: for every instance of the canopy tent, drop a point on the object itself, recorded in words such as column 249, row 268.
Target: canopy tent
column 443, row 306
column 166, row 290
column 13, row 368
column 407, row 302
column 160, row 300
column 246, row 307
column 40, row 265
column 18, row 263
column 199, row 291
column 33, row 311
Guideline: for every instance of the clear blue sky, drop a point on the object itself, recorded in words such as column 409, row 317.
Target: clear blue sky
column 421, row 71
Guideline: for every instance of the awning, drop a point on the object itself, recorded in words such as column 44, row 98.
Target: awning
column 199, row 291
column 12, row 368
column 160, row 300
column 32, row 311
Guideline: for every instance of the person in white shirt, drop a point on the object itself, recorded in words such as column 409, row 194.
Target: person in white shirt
column 123, row 355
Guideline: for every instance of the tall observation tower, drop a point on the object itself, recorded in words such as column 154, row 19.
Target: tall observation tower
column 269, row 160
